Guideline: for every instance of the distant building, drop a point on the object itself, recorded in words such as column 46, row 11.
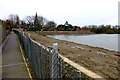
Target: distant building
column 67, row 24
column 65, row 27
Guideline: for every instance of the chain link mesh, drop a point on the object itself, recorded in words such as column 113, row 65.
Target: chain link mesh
column 45, row 63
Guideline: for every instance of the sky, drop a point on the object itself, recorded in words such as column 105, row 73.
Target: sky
column 76, row 12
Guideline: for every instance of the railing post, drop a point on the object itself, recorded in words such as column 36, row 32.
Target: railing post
column 54, row 62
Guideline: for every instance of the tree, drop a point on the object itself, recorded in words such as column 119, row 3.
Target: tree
column 50, row 25
column 61, row 27
column 41, row 21
column 17, row 20
column 36, row 23
column 8, row 24
column 14, row 19
column 30, row 19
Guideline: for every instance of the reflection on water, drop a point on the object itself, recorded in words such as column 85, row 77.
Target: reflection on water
column 107, row 41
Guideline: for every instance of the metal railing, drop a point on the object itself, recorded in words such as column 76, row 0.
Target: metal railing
column 47, row 63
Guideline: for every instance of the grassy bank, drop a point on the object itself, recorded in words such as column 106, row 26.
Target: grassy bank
column 101, row 61
column 63, row 33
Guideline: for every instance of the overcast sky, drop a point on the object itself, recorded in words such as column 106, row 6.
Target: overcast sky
column 76, row 12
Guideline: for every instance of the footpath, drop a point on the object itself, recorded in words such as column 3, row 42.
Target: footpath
column 13, row 65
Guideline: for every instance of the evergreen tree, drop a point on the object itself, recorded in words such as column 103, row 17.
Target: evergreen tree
column 36, row 22
column 17, row 20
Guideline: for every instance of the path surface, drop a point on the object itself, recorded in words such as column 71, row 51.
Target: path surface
column 13, row 65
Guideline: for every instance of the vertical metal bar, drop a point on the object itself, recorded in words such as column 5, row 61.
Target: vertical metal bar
column 54, row 65
column 40, row 62
column 29, row 46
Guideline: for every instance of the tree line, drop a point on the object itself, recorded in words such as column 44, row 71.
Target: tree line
column 108, row 29
column 31, row 23
column 40, row 23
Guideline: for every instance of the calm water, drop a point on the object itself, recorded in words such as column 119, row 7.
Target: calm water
column 107, row 41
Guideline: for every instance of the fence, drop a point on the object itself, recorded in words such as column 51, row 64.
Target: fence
column 48, row 63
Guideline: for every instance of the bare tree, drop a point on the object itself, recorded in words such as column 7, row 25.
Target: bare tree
column 38, row 21
column 13, row 18
column 30, row 19
column 42, row 20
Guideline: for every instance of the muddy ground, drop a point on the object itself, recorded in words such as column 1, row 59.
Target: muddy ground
column 101, row 61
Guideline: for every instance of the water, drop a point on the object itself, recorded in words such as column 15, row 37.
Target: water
column 107, row 41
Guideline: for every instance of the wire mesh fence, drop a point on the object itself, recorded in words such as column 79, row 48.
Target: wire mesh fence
column 47, row 63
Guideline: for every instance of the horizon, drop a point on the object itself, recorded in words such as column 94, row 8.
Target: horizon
column 77, row 13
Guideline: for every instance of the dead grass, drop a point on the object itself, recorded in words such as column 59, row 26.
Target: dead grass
column 101, row 61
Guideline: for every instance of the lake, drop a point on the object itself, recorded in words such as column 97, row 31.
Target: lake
column 107, row 41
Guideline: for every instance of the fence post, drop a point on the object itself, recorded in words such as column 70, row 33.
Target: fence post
column 54, row 62
column 79, row 74
column 29, row 47
column 29, row 36
column 22, row 39
column 60, row 67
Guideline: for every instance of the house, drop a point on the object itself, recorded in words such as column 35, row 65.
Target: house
column 65, row 27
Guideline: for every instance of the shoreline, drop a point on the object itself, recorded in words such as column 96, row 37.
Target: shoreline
column 63, row 33
column 84, row 44
column 99, row 60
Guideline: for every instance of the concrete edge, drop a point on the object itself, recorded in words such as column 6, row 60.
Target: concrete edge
column 24, row 59
column 82, row 69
